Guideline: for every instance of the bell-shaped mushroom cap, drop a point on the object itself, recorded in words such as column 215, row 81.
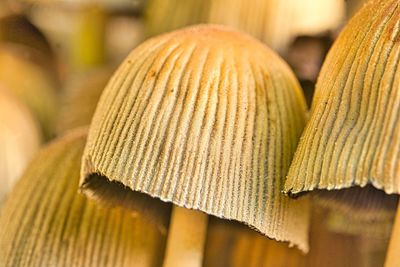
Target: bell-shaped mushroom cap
column 46, row 222
column 80, row 99
column 353, row 135
column 158, row 17
column 30, row 84
column 275, row 22
column 207, row 118
column 17, row 29
column 19, row 140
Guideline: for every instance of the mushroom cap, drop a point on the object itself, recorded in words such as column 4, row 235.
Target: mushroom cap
column 30, row 84
column 353, row 135
column 45, row 222
column 19, row 139
column 16, row 28
column 80, row 99
column 274, row 22
column 207, row 118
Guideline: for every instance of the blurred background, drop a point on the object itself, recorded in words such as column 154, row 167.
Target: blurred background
column 56, row 56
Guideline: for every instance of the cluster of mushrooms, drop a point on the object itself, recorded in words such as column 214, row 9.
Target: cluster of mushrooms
column 199, row 150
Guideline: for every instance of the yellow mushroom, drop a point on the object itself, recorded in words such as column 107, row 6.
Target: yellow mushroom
column 28, row 68
column 45, row 222
column 353, row 135
column 80, row 98
column 274, row 22
column 19, row 139
column 206, row 118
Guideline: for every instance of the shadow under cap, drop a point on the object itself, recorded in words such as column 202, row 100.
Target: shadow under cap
column 114, row 194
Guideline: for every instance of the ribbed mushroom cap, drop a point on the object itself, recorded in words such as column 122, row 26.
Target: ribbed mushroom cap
column 80, row 99
column 30, row 84
column 353, row 135
column 158, row 17
column 206, row 118
column 45, row 222
column 19, row 140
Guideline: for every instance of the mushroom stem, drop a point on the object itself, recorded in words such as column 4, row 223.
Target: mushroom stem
column 392, row 256
column 89, row 42
column 186, row 238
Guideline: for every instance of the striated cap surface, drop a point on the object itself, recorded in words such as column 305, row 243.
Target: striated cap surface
column 207, row 118
column 353, row 135
column 46, row 222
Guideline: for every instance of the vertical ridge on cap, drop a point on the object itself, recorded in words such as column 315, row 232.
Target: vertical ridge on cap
column 206, row 118
column 45, row 222
column 353, row 135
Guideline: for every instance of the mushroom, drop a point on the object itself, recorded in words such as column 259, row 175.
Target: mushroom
column 19, row 139
column 45, row 222
column 206, row 118
column 275, row 22
column 28, row 68
column 80, row 98
column 353, row 135
column 158, row 17
column 18, row 29
column 84, row 36
column 30, row 84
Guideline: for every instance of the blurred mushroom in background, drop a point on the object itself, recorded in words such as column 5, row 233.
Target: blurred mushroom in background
column 20, row 138
column 306, row 55
column 28, row 69
column 89, row 34
column 80, row 98
column 275, row 22
column 46, row 222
